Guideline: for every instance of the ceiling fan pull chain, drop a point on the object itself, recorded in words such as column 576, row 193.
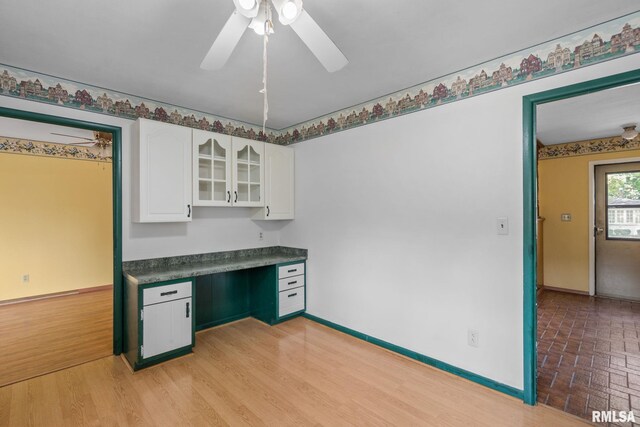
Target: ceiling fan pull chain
column 267, row 28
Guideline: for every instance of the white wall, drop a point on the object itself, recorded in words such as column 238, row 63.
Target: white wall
column 212, row 229
column 400, row 221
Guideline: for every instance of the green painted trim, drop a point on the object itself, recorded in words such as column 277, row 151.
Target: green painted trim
column 117, row 202
column 529, row 104
column 223, row 321
column 495, row 385
column 163, row 357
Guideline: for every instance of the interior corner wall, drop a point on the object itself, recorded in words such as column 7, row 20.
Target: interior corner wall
column 212, row 229
column 399, row 218
column 56, row 221
column 564, row 188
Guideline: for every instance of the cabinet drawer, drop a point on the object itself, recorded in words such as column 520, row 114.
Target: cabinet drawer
column 290, row 283
column 290, row 270
column 290, row 301
column 166, row 293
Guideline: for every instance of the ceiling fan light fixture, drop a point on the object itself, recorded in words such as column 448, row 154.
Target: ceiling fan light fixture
column 629, row 133
column 288, row 10
column 248, row 8
column 247, row 4
column 259, row 23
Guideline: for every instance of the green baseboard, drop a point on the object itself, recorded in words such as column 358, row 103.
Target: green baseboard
column 222, row 321
column 495, row 385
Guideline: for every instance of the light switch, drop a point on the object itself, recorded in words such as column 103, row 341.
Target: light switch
column 565, row 217
column 502, row 225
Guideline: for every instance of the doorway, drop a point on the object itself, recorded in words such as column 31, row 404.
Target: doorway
column 114, row 254
column 530, row 104
column 56, row 269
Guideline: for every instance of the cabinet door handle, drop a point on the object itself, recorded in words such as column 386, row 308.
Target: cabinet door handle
column 228, row 196
column 187, row 310
column 292, row 283
column 164, row 294
column 236, row 200
column 292, row 295
column 189, row 214
column 268, row 211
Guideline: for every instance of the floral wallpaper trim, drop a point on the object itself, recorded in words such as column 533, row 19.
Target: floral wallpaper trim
column 609, row 40
column 613, row 39
column 590, row 146
column 25, row 84
column 48, row 149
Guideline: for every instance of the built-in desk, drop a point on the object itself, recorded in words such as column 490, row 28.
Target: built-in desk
column 163, row 296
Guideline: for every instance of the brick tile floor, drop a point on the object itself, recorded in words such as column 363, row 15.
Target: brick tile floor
column 588, row 353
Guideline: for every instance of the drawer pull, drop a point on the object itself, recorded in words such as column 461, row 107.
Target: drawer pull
column 164, row 294
column 292, row 283
column 292, row 271
column 292, row 295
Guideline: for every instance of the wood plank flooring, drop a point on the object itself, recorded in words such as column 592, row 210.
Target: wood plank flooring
column 248, row 373
column 46, row 335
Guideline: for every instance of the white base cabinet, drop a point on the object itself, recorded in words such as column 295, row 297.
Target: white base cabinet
column 166, row 327
column 160, row 322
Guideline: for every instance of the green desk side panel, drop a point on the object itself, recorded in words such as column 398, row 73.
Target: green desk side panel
column 264, row 291
column 222, row 298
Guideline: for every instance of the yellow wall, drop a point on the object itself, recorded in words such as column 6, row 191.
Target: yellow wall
column 55, row 225
column 564, row 188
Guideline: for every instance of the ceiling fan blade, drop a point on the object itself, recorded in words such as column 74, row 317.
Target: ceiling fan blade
column 225, row 42
column 319, row 42
column 72, row 136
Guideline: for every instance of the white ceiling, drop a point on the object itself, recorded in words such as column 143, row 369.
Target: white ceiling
column 36, row 131
column 153, row 48
column 596, row 115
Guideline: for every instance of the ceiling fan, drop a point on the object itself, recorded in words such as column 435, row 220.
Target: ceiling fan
column 255, row 14
column 99, row 145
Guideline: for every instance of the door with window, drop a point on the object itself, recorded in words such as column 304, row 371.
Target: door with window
column 617, row 230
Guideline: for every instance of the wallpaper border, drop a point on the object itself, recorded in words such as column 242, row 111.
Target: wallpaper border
column 609, row 40
column 48, row 149
column 590, row 146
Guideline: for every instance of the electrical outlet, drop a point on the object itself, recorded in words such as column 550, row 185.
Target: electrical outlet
column 260, row 236
column 565, row 217
column 473, row 338
column 25, row 278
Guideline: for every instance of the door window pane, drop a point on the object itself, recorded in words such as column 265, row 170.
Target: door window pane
column 623, row 205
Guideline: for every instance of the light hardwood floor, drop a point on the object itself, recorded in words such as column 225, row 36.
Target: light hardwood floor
column 46, row 335
column 247, row 373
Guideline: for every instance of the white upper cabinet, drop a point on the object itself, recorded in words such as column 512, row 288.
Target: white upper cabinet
column 278, row 183
column 162, row 174
column 248, row 172
column 211, row 169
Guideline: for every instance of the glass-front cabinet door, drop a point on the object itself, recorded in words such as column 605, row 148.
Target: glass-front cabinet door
column 211, row 169
column 248, row 163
